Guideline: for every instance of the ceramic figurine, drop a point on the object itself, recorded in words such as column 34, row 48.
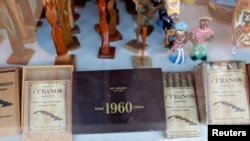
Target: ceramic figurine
column 57, row 33
column 241, row 23
column 105, row 50
column 200, row 36
column 168, row 17
column 177, row 55
column 20, row 55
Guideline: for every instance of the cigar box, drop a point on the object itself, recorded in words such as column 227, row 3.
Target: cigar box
column 180, row 105
column 125, row 100
column 222, row 92
column 46, row 103
column 10, row 84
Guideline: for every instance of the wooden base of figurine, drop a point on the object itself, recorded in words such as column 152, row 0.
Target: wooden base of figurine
column 138, row 62
column 74, row 45
column 133, row 46
column 21, row 60
column 110, row 55
column 65, row 60
column 115, row 37
column 75, row 30
column 150, row 29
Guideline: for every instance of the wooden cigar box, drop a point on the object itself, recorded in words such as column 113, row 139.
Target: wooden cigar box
column 46, row 103
column 10, row 84
column 180, row 105
column 222, row 92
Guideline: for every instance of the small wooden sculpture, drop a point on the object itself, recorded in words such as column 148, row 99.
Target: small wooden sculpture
column 145, row 10
column 112, row 19
column 29, row 20
column 241, row 24
column 25, row 35
column 73, row 17
column 39, row 11
column 20, row 54
column 114, row 34
column 63, row 6
column 105, row 50
column 200, row 36
column 57, row 34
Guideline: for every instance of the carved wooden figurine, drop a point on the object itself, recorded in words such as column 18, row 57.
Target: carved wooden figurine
column 145, row 10
column 20, row 54
column 105, row 50
column 114, row 34
column 73, row 17
column 63, row 7
column 29, row 19
column 26, row 35
column 112, row 19
column 57, row 33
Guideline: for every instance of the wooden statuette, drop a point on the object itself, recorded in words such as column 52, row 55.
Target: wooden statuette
column 145, row 10
column 105, row 50
column 20, row 55
column 57, row 34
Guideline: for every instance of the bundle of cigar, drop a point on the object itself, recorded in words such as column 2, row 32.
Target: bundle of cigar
column 179, row 79
column 180, row 105
column 222, row 92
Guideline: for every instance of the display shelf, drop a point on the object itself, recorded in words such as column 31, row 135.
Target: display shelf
column 87, row 55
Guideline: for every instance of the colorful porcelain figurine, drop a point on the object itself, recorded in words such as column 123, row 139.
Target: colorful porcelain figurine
column 200, row 36
column 168, row 17
column 177, row 55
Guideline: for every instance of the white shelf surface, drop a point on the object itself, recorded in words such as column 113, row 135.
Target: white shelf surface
column 86, row 56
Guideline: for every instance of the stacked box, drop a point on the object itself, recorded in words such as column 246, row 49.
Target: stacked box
column 222, row 92
column 10, row 84
column 46, row 103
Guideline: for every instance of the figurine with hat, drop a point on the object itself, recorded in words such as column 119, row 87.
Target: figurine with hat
column 200, row 36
